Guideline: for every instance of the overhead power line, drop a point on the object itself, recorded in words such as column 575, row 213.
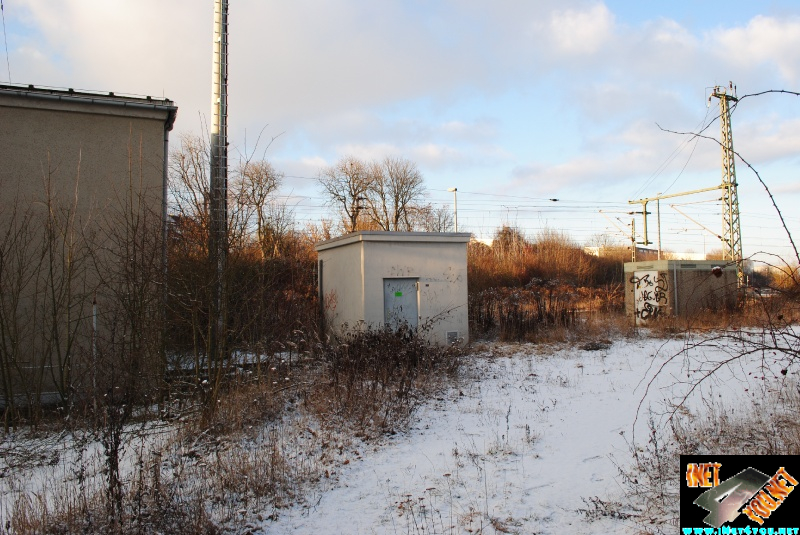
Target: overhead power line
column 5, row 38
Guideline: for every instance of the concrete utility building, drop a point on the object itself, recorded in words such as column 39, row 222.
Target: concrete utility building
column 73, row 162
column 376, row 279
column 678, row 287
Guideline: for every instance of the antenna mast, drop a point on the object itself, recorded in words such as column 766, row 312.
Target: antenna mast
column 731, row 227
column 218, row 139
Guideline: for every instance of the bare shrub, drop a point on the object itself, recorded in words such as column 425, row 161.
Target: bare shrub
column 542, row 309
column 376, row 378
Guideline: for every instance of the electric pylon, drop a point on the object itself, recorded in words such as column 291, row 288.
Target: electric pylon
column 731, row 228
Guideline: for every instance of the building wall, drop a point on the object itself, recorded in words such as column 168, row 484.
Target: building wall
column 343, row 286
column 92, row 148
column 76, row 167
column 355, row 266
column 441, row 269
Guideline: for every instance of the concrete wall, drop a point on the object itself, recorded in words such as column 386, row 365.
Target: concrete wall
column 342, row 285
column 95, row 143
column 355, row 266
column 677, row 288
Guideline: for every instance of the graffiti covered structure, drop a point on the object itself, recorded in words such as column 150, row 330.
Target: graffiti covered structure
column 678, row 288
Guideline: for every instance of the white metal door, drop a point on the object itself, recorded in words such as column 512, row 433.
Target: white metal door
column 400, row 304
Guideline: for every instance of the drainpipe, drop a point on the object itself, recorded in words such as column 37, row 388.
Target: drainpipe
column 165, row 236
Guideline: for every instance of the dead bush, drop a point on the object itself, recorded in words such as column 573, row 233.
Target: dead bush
column 375, row 378
column 541, row 310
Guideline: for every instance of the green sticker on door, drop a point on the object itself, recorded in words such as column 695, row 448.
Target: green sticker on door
column 398, row 294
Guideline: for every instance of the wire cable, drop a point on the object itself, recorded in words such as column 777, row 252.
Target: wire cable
column 670, row 158
column 5, row 38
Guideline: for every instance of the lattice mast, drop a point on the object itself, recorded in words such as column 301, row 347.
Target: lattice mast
column 731, row 227
column 218, row 140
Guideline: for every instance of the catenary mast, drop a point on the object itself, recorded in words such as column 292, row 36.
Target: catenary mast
column 731, row 227
column 218, row 139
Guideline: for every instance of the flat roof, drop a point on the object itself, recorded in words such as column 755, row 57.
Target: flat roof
column 83, row 93
column 669, row 265
column 87, row 97
column 394, row 237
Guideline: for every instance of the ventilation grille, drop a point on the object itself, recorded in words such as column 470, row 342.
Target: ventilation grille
column 452, row 337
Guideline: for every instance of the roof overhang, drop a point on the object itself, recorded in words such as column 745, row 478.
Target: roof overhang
column 393, row 237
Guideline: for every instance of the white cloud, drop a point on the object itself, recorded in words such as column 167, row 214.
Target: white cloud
column 564, row 92
column 764, row 41
column 582, row 32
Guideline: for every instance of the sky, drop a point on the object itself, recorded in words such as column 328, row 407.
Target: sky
column 512, row 102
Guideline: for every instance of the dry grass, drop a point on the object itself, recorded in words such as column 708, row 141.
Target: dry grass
column 543, row 311
column 771, row 312
column 275, row 439
column 651, row 480
column 375, row 379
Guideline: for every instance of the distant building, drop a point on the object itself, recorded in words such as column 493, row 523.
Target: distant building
column 68, row 157
column 389, row 279
column 614, row 251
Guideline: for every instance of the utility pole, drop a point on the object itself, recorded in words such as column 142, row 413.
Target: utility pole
column 658, row 224
column 455, row 207
column 218, row 138
column 731, row 228
column 645, row 213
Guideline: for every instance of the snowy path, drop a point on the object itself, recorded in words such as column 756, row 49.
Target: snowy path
column 516, row 448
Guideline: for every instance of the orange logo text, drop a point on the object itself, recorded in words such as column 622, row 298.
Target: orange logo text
column 702, row 474
column 770, row 497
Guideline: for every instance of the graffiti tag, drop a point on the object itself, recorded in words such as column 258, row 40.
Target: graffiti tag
column 650, row 294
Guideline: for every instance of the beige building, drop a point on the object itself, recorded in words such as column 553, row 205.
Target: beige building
column 678, row 288
column 74, row 163
column 376, row 279
column 90, row 142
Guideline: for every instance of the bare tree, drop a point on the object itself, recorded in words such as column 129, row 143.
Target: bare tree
column 257, row 182
column 347, row 184
column 430, row 219
column 395, row 194
column 21, row 268
column 189, row 182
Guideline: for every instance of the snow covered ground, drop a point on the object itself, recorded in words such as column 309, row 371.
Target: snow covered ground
column 515, row 449
column 528, row 436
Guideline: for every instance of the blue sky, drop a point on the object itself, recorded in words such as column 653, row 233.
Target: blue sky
column 513, row 102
